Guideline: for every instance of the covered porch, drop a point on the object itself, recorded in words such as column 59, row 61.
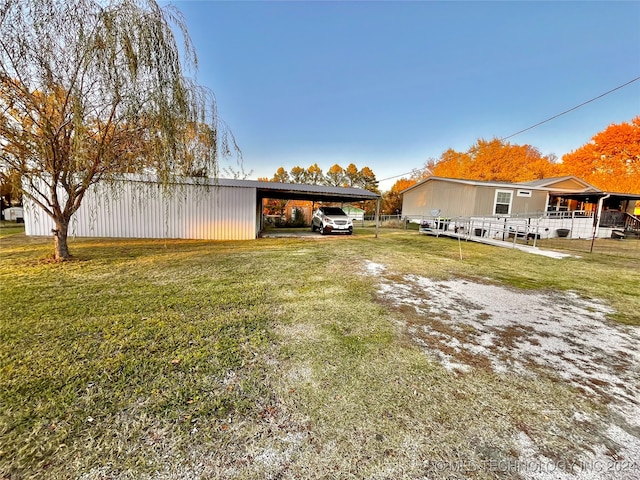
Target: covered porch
column 617, row 211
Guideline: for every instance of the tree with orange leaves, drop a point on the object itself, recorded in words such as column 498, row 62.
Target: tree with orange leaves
column 298, row 174
column 392, row 200
column 495, row 160
column 281, row 176
column 335, row 176
column 314, row 175
column 611, row 160
column 351, row 175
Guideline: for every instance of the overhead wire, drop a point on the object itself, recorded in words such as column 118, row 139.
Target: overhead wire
column 539, row 123
column 571, row 109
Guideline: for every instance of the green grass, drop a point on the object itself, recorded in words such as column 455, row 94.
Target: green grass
column 265, row 359
column 10, row 228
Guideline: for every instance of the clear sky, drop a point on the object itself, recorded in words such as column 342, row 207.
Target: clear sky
column 391, row 84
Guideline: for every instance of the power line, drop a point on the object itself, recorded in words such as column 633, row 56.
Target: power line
column 396, row 176
column 539, row 123
column 571, row 109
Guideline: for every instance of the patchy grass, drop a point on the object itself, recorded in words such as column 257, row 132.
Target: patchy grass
column 10, row 228
column 629, row 248
column 268, row 359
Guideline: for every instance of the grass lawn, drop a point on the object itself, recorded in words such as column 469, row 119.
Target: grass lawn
column 274, row 358
column 10, row 228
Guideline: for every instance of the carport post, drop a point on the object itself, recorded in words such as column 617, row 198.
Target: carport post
column 377, row 215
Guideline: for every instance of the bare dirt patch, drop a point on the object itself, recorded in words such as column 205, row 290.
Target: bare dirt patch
column 469, row 325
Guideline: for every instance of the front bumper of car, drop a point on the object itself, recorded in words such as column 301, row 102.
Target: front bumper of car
column 338, row 228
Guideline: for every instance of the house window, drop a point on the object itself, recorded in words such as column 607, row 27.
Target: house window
column 502, row 204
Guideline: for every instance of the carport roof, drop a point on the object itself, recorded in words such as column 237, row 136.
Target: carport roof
column 296, row 191
column 275, row 190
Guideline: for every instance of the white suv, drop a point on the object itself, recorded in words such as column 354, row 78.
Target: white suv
column 331, row 219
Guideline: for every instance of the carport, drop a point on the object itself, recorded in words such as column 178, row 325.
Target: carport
column 192, row 208
column 312, row 193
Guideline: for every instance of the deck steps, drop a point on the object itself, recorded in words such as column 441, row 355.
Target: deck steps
column 624, row 234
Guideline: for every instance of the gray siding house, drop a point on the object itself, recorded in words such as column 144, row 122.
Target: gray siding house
column 453, row 197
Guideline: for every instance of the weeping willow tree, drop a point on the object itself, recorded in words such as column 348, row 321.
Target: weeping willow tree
column 90, row 90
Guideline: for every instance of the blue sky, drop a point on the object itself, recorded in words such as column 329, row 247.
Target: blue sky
column 391, row 84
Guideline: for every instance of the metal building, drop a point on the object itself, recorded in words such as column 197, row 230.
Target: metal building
column 192, row 208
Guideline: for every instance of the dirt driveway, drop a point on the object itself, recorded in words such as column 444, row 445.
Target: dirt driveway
column 467, row 325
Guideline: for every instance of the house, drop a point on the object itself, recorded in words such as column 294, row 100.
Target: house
column 568, row 202
column 454, row 197
column 195, row 208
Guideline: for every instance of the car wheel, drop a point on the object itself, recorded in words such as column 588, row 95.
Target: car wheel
column 313, row 227
column 322, row 231
column 350, row 231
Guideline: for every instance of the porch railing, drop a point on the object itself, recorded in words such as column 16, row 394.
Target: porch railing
column 631, row 222
column 569, row 214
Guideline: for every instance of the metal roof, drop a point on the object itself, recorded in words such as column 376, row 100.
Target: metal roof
column 596, row 195
column 295, row 191
column 544, row 184
column 477, row 183
column 280, row 191
column 549, row 181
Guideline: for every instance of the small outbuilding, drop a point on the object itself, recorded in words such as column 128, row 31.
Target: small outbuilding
column 190, row 208
column 13, row 214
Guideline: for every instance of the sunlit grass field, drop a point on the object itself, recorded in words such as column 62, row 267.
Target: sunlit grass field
column 10, row 228
column 266, row 359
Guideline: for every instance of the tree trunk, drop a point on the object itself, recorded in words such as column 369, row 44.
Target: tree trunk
column 60, row 241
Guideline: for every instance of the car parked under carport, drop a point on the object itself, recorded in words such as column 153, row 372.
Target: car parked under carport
column 331, row 220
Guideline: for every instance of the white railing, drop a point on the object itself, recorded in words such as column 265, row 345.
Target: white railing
column 569, row 214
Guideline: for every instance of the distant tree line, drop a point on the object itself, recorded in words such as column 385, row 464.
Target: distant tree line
column 336, row 176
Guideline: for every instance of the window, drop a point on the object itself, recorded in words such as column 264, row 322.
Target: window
column 502, row 204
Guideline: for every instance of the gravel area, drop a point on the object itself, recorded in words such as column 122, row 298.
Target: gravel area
column 530, row 333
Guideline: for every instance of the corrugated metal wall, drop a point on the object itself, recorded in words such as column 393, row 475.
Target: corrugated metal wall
column 485, row 200
column 146, row 210
column 537, row 202
column 451, row 199
column 460, row 200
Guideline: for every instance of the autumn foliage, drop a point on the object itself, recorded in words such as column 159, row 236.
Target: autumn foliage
column 495, row 160
column 610, row 161
column 336, row 176
column 393, row 198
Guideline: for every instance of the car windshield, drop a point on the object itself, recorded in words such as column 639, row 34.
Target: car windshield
column 333, row 211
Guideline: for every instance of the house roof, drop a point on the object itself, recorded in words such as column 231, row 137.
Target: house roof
column 478, row 183
column 351, row 208
column 545, row 184
column 550, row 181
column 588, row 196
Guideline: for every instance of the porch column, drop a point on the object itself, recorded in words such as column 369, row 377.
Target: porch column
column 377, row 215
column 596, row 219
